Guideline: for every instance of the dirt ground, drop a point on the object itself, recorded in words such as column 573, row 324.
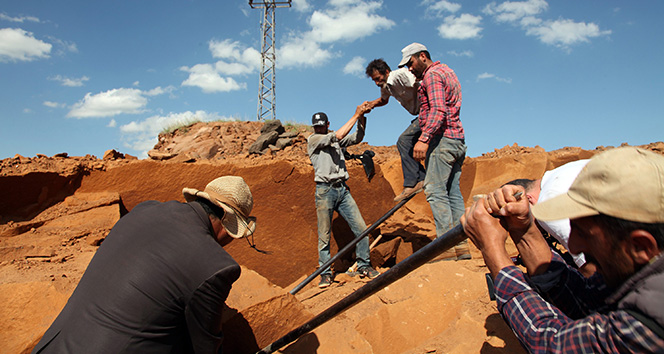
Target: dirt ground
column 55, row 212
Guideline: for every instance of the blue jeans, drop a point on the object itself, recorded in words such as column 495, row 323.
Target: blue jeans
column 329, row 199
column 441, row 184
column 413, row 171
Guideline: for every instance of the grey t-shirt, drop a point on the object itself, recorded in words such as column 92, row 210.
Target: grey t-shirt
column 327, row 156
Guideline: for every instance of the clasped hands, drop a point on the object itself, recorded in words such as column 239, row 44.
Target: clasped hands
column 364, row 108
column 491, row 217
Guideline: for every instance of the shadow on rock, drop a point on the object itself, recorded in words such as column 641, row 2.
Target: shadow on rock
column 496, row 327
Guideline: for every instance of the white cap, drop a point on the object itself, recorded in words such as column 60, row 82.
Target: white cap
column 409, row 51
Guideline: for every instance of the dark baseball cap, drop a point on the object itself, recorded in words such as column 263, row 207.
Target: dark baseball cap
column 319, row 119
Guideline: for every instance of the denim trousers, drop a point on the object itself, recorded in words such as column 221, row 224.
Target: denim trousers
column 329, row 199
column 441, row 184
column 413, row 171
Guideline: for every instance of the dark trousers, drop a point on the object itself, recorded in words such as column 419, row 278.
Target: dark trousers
column 413, row 171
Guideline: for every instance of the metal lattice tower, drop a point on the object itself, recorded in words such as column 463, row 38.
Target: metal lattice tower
column 266, row 93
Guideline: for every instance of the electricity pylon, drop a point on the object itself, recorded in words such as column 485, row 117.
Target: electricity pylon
column 266, row 93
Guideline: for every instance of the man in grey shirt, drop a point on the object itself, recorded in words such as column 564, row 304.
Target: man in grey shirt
column 330, row 175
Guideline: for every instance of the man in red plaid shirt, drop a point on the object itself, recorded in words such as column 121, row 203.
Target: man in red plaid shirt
column 441, row 145
column 616, row 211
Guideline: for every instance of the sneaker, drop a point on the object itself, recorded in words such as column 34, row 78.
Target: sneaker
column 325, row 281
column 408, row 191
column 367, row 271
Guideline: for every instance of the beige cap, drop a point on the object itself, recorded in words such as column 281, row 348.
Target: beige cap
column 232, row 194
column 410, row 50
column 626, row 183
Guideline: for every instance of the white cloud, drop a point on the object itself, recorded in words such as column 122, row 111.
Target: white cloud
column 564, row 32
column 465, row 26
column 440, row 6
column 513, row 11
column 485, row 76
column 113, row 102
column 63, row 46
column 159, row 91
column 465, row 53
column 112, row 123
column 530, row 21
column 52, row 104
column 211, row 78
column 207, row 78
column 19, row 45
column 355, row 67
column 70, row 82
column 347, row 21
column 342, row 20
column 249, row 58
column 142, row 135
column 21, row 19
column 232, row 69
column 300, row 51
column 301, row 5
column 561, row 33
column 224, row 49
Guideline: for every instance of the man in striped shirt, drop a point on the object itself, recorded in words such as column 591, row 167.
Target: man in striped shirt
column 442, row 143
column 616, row 212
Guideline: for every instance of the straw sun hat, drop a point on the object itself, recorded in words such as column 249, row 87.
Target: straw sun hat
column 232, row 194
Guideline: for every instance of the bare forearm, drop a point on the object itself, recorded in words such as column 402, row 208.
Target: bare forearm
column 346, row 128
column 378, row 102
column 534, row 250
column 496, row 258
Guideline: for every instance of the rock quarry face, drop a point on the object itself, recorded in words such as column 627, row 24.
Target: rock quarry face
column 55, row 212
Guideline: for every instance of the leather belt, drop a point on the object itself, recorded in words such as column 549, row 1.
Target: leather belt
column 336, row 183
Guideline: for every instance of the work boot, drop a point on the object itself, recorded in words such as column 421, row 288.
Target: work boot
column 462, row 250
column 408, row 191
column 448, row 255
column 367, row 271
column 459, row 252
column 325, row 281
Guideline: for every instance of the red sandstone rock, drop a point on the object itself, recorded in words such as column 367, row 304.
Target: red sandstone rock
column 54, row 212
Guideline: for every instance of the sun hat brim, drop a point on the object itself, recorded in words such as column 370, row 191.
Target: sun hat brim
column 237, row 225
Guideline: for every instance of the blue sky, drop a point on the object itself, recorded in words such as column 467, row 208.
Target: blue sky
column 83, row 77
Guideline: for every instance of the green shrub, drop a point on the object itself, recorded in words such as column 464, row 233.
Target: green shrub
column 181, row 125
column 297, row 127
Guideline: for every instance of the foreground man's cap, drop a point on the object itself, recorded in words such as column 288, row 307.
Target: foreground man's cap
column 625, row 183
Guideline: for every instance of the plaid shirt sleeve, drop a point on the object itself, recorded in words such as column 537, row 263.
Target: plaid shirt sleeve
column 543, row 328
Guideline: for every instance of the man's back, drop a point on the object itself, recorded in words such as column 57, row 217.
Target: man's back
column 154, row 285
